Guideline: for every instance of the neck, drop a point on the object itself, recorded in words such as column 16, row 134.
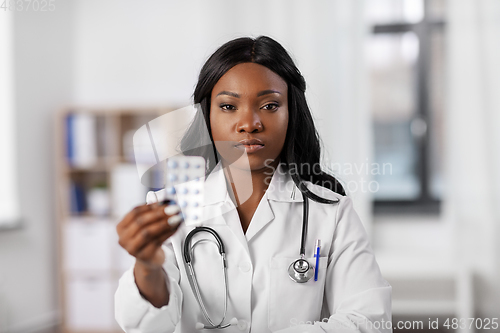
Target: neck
column 248, row 185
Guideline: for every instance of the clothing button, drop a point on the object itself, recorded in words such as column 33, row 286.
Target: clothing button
column 242, row 325
column 245, row 266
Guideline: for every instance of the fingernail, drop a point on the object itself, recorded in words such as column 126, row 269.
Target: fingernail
column 172, row 209
column 174, row 220
column 151, row 197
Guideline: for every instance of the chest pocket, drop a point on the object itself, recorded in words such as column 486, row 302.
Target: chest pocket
column 292, row 303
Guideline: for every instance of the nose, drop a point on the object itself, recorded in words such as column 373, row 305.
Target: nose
column 249, row 122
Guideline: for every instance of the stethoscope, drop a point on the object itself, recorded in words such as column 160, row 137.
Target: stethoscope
column 300, row 270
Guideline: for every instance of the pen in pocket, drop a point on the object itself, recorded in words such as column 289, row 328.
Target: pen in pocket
column 317, row 248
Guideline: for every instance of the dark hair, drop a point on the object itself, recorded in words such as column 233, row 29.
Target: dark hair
column 302, row 150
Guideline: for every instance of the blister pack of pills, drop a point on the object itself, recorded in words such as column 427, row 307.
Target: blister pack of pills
column 184, row 184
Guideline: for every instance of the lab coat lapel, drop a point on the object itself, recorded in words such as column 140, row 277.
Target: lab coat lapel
column 262, row 216
column 281, row 188
column 234, row 223
column 220, row 209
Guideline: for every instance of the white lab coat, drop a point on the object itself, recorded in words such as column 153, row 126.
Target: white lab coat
column 262, row 296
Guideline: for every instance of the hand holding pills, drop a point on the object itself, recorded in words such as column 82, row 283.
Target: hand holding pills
column 143, row 230
column 141, row 233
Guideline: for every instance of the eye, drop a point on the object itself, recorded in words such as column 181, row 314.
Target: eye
column 271, row 106
column 227, row 107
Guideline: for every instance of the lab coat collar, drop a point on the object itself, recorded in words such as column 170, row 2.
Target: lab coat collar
column 281, row 188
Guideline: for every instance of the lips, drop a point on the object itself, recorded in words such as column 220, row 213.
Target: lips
column 250, row 145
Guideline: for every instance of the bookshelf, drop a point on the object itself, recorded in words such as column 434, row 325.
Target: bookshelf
column 96, row 184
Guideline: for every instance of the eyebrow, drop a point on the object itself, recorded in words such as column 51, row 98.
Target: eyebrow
column 260, row 93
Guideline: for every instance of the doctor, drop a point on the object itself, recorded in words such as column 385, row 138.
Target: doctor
column 253, row 101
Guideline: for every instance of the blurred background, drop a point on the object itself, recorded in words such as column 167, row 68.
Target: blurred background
column 404, row 94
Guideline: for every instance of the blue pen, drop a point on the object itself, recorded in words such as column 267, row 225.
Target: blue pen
column 318, row 246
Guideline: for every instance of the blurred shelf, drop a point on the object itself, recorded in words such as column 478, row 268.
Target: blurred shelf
column 94, row 150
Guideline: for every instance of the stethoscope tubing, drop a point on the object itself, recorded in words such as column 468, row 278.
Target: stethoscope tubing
column 187, row 241
column 188, row 255
column 305, row 222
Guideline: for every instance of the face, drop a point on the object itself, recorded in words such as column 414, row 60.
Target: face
column 249, row 114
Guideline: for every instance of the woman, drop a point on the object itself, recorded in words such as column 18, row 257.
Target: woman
column 252, row 100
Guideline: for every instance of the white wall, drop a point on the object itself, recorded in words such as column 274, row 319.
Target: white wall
column 126, row 53
column 473, row 141
column 44, row 82
column 9, row 199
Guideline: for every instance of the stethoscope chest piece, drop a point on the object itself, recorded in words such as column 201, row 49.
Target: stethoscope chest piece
column 300, row 270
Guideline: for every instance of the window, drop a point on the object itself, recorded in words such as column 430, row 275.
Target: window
column 405, row 53
column 9, row 205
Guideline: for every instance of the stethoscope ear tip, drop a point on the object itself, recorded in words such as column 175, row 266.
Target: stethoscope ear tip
column 233, row 322
column 199, row 326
